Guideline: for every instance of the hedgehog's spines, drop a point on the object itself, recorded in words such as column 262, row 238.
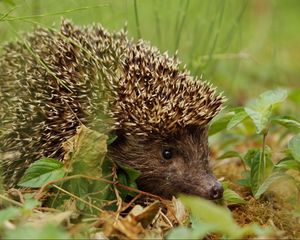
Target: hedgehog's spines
column 86, row 73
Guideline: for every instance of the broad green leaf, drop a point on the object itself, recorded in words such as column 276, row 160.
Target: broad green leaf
column 183, row 233
column 229, row 154
column 8, row 214
column 42, row 172
column 260, row 169
column 260, row 109
column 256, row 173
column 131, row 173
column 219, row 219
column 237, row 119
column 250, row 155
column 275, row 176
column 287, row 122
column 85, row 152
column 122, row 178
column 47, row 231
column 294, row 147
column 246, row 181
column 232, row 197
column 260, row 118
column 85, row 155
column 104, row 188
column 288, row 164
column 213, row 214
column 189, row 233
column 220, row 123
column 79, row 187
column 30, row 203
column 127, row 176
column 272, row 97
column 197, row 231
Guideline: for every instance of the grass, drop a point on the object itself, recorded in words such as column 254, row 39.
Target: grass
column 234, row 43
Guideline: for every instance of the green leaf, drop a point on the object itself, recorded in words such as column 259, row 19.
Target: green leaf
column 257, row 175
column 229, row 154
column 260, row 118
column 183, row 233
column 8, row 214
column 272, row 97
column 220, row 123
column 258, row 171
column 198, row 231
column 275, row 176
column 79, row 187
column 288, row 164
column 232, row 197
column 287, row 122
column 131, row 173
column 212, row 214
column 219, row 219
column 237, row 119
column 188, row 233
column 85, row 152
column 30, row 204
column 85, row 155
column 42, row 172
column 127, row 176
column 251, row 154
column 260, row 110
column 294, row 147
column 246, row 181
column 47, row 231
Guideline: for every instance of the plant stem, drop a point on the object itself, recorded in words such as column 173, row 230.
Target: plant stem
column 138, row 29
column 180, row 26
column 262, row 157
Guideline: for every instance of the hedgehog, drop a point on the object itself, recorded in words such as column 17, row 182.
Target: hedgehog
column 53, row 81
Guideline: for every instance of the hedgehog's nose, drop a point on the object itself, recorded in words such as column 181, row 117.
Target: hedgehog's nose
column 216, row 191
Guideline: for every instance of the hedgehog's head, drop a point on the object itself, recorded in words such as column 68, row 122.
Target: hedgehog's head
column 162, row 117
column 170, row 165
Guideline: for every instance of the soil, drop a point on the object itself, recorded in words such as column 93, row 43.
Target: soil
column 275, row 209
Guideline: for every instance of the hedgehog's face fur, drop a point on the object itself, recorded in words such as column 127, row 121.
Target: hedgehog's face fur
column 170, row 165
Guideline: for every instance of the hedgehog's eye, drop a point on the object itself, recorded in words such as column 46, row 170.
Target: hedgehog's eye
column 167, row 153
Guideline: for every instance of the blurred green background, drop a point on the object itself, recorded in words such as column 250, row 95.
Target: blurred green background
column 244, row 47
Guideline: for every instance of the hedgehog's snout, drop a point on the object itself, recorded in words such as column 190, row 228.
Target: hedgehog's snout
column 216, row 191
column 206, row 186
